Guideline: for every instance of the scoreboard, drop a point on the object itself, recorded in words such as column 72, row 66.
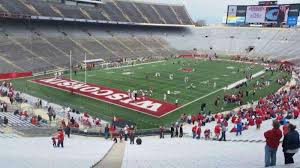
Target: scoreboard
column 266, row 13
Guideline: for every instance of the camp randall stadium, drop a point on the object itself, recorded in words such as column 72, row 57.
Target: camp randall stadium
column 89, row 65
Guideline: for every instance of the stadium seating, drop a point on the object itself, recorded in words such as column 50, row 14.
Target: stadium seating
column 116, row 11
column 47, row 46
column 39, row 47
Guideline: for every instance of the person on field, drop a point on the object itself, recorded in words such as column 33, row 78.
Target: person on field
column 290, row 144
column 273, row 137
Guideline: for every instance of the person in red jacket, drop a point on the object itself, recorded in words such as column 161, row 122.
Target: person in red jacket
column 194, row 129
column 61, row 138
column 273, row 137
column 198, row 132
column 258, row 122
column 217, row 131
column 296, row 113
column 193, row 119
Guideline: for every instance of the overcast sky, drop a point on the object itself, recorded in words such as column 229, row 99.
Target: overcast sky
column 213, row 10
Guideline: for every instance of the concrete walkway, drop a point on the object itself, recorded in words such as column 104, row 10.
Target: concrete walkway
column 114, row 158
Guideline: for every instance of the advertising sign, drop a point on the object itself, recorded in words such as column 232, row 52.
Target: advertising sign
column 294, row 10
column 272, row 14
column 283, row 13
column 232, row 11
column 292, row 20
column 255, row 14
column 241, row 11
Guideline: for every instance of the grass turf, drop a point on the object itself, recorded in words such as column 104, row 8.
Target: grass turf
column 134, row 77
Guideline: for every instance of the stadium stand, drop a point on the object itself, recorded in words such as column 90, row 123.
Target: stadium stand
column 114, row 42
column 46, row 46
column 114, row 11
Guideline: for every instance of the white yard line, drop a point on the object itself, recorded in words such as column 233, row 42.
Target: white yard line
column 235, row 83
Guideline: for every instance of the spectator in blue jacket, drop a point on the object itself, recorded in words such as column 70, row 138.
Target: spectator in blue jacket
column 239, row 128
column 290, row 144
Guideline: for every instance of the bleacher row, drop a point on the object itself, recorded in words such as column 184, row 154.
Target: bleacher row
column 28, row 50
column 15, row 121
column 114, row 11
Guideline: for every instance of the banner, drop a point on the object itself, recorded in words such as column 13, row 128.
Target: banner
column 292, row 20
column 240, row 20
column 241, row 11
column 255, row 14
column 272, row 14
column 294, row 10
column 231, row 20
column 232, row 11
column 283, row 13
column 4, row 76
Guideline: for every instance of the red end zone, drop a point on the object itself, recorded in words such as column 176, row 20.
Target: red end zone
column 150, row 106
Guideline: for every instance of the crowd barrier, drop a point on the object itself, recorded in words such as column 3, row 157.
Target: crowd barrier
column 12, row 75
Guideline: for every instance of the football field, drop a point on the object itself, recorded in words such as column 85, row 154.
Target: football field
column 189, row 82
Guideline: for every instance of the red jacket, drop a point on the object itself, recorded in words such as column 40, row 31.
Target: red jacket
column 217, row 129
column 193, row 118
column 273, row 137
column 258, row 121
column 198, row 130
column 61, row 136
column 296, row 113
column 194, row 129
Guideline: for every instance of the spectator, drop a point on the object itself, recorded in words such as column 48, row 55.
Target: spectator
column 138, row 141
column 172, row 131
column 106, row 131
column 54, row 114
column 61, row 137
column 121, row 134
column 131, row 137
column 5, row 107
column 68, row 130
column 239, row 128
column 223, row 129
column 176, row 130
column 72, row 121
column 198, row 131
column 258, row 122
column 290, row 144
column 194, row 129
column 1, row 107
column 285, row 128
column 5, row 120
column 217, row 131
column 161, row 132
column 181, row 131
column 126, row 132
column 273, row 137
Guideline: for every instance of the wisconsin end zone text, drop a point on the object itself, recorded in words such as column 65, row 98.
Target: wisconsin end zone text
column 149, row 106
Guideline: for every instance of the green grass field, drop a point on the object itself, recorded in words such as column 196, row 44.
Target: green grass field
column 134, row 77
